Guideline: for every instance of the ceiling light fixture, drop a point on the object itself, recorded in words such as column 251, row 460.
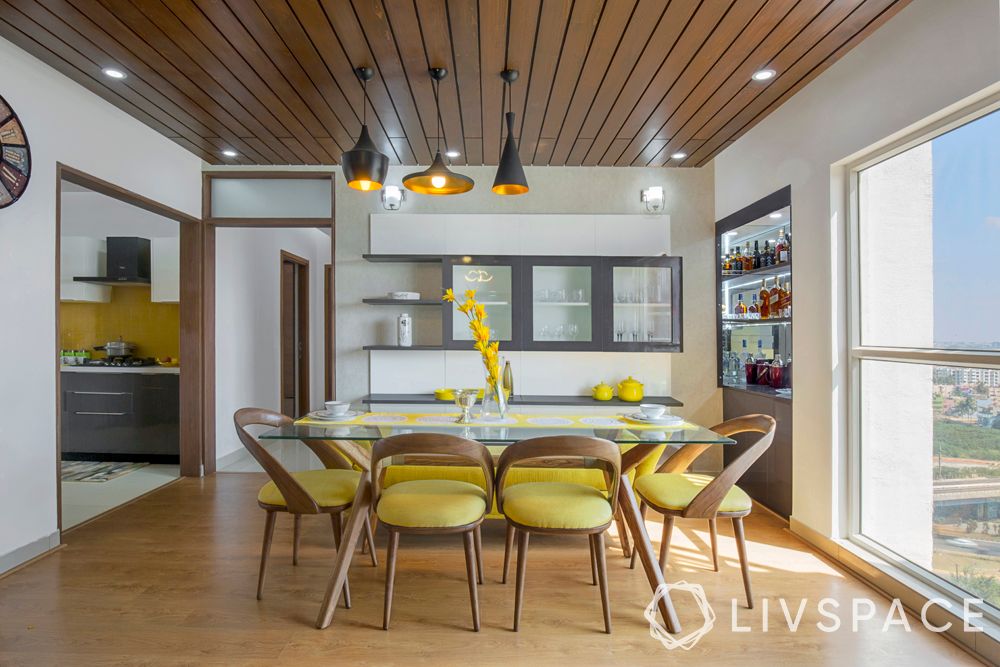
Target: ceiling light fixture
column 678, row 156
column 114, row 73
column 229, row 152
column 763, row 75
column 775, row 215
column 451, row 154
column 510, row 179
column 364, row 166
column 438, row 179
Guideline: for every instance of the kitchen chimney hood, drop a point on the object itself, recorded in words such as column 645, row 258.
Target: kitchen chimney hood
column 127, row 263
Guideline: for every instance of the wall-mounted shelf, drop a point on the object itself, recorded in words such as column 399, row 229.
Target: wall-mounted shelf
column 762, row 272
column 419, row 259
column 757, row 323
column 397, row 347
column 403, row 302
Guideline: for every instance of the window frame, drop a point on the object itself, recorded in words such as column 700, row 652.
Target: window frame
column 942, row 123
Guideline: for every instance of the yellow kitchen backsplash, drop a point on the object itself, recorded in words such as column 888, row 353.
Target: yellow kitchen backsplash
column 154, row 327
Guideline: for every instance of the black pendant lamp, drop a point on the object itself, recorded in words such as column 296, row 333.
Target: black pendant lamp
column 364, row 167
column 438, row 179
column 510, row 178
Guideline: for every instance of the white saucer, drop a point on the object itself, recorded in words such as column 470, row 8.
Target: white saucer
column 664, row 420
column 327, row 416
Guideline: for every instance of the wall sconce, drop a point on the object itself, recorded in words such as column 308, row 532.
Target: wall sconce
column 652, row 198
column 392, row 197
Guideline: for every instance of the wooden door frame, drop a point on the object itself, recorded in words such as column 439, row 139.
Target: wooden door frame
column 302, row 315
column 329, row 353
column 192, row 332
column 208, row 269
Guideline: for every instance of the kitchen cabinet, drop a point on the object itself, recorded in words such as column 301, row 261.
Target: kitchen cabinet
column 82, row 256
column 769, row 479
column 128, row 416
column 561, row 303
column 165, row 283
column 497, row 281
column 643, row 297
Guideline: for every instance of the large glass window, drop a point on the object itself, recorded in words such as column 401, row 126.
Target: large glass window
column 927, row 356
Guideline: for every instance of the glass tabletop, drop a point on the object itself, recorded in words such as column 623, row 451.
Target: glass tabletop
column 499, row 434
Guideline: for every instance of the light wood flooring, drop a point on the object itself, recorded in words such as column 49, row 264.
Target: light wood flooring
column 170, row 579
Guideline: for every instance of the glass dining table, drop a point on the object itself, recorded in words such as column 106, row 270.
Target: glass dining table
column 353, row 439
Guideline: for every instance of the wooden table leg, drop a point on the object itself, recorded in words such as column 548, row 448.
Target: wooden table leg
column 630, row 509
column 349, row 541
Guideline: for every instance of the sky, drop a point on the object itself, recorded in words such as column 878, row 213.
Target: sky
column 966, row 167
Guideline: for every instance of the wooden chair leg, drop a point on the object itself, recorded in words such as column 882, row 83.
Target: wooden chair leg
column 471, row 556
column 522, row 563
column 478, row 541
column 370, row 541
column 296, row 534
column 622, row 533
column 593, row 562
column 642, row 517
column 335, row 520
column 390, row 576
column 265, row 551
column 741, row 548
column 668, row 528
column 507, row 549
column 712, row 529
column 597, row 544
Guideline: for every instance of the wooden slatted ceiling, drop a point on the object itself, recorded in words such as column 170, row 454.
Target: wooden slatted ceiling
column 602, row 82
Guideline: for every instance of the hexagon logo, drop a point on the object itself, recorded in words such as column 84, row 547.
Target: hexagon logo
column 660, row 633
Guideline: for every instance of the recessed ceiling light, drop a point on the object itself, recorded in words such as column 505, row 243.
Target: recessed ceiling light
column 229, row 152
column 678, row 156
column 774, row 215
column 452, row 153
column 763, row 75
column 114, row 73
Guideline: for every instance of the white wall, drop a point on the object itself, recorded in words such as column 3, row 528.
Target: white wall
column 929, row 56
column 68, row 124
column 247, row 334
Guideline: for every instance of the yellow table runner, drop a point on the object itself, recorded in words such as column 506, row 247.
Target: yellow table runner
column 512, row 420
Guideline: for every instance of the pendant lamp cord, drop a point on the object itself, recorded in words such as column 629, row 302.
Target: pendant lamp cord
column 437, row 104
column 364, row 102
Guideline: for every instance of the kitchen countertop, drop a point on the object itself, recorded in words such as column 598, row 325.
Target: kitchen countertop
column 137, row 370
column 518, row 399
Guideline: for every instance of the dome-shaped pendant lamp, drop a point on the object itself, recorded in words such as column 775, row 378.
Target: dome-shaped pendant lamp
column 510, row 179
column 438, row 179
column 364, row 167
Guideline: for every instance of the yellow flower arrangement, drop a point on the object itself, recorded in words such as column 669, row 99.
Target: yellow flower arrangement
column 476, row 312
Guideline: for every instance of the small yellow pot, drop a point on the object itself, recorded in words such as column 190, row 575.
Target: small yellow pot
column 603, row 392
column 630, row 390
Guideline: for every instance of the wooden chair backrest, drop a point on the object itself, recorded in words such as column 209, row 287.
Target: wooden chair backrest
column 438, row 444
column 297, row 500
column 607, row 453
column 706, row 503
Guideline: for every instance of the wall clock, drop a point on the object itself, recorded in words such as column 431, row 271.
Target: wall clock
column 15, row 156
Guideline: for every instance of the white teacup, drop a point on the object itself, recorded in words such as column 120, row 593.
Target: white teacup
column 337, row 408
column 652, row 410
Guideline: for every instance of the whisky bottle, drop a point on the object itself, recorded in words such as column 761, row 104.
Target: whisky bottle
column 767, row 259
column 765, row 300
column 781, row 248
column 740, row 308
column 785, row 300
column 727, row 266
column 756, row 255
column 774, row 299
column 753, row 312
column 747, row 258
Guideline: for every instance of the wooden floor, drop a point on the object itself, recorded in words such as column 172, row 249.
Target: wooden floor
column 170, row 579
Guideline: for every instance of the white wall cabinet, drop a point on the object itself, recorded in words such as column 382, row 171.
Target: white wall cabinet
column 82, row 256
column 165, row 270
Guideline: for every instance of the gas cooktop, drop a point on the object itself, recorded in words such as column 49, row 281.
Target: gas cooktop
column 120, row 362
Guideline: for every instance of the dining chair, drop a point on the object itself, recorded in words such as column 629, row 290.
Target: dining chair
column 675, row 493
column 561, row 508
column 433, row 506
column 327, row 491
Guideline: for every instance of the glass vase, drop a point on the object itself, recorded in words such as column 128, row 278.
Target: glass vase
column 494, row 406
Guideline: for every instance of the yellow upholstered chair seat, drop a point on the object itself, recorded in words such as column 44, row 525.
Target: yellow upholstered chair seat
column 675, row 491
column 556, row 505
column 432, row 503
column 329, row 488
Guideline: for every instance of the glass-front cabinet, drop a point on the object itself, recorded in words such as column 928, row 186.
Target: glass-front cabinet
column 563, row 304
column 643, row 296
column 497, row 284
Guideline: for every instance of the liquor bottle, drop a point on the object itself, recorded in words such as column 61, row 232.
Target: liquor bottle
column 747, row 258
column 727, row 267
column 740, row 308
column 785, row 300
column 767, row 259
column 788, row 245
column 765, row 300
column 756, row 255
column 774, row 299
column 508, row 378
column 781, row 248
column 753, row 312
column 777, row 372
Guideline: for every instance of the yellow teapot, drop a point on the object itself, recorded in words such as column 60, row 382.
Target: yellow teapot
column 603, row 392
column 630, row 390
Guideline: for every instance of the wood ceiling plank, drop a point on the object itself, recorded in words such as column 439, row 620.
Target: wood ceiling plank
column 798, row 23
column 794, row 65
column 639, row 80
column 463, row 24
column 434, row 34
column 691, row 38
column 605, row 44
column 641, row 27
column 585, row 16
column 521, row 45
column 492, row 60
column 402, row 148
column 553, row 23
column 711, row 51
column 371, row 24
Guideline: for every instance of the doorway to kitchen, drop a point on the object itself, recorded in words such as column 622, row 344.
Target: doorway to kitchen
column 294, row 307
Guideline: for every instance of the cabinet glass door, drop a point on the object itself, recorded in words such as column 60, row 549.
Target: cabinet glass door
column 495, row 288
column 645, row 298
column 561, row 294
